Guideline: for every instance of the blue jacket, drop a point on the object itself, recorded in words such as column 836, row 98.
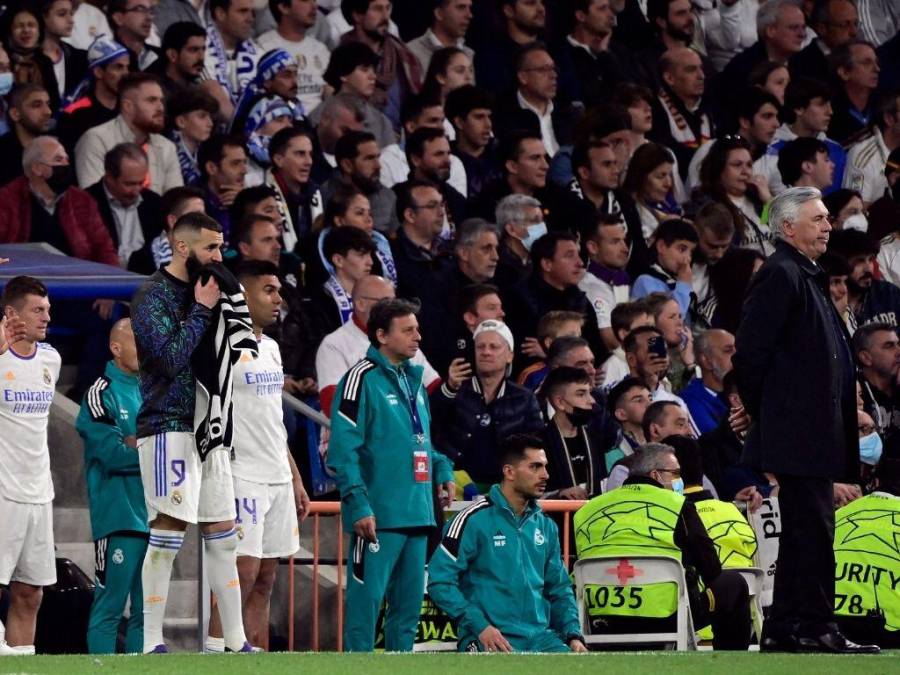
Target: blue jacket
column 706, row 408
column 660, row 281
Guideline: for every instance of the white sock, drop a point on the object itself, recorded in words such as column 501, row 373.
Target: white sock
column 214, row 644
column 221, row 570
column 156, row 574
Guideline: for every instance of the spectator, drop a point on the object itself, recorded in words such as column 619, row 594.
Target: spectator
column 771, row 77
column 606, row 283
column 299, row 200
column 141, row 120
column 416, row 249
column 463, row 579
column 804, row 162
column 679, row 339
column 336, row 116
column 418, row 112
column 628, row 402
column 884, row 212
column 573, row 351
column 624, row 318
column 855, row 69
column 275, row 78
column 644, row 354
column 637, row 101
column 450, row 69
column 43, row 205
column 575, row 455
column 182, row 62
column 90, row 23
column 30, row 116
column 838, row 270
column 870, row 299
column 553, row 285
column 595, row 60
column 295, row 19
column 680, row 118
column 429, row 159
column 715, row 234
column 726, row 29
column 729, row 281
column 340, row 350
column 727, row 178
column 267, row 117
column 836, row 23
column 521, row 222
column 878, row 353
column 552, row 326
column 377, row 499
column 807, row 112
column 656, row 476
column 175, row 203
column 222, row 162
column 704, row 395
column 673, row 244
column 449, row 22
column 130, row 212
column 597, row 179
column 95, row 100
column 470, row 110
column 26, row 486
column 231, row 54
column 351, row 71
column 168, row 12
column 672, row 24
column 192, row 113
column 22, row 28
column 649, row 182
column 107, row 423
column 523, row 22
column 476, row 408
column 847, row 210
column 476, row 248
column 866, row 158
column 131, row 22
column 69, row 63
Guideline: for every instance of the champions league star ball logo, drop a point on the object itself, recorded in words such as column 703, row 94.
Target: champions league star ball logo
column 118, row 557
column 176, row 497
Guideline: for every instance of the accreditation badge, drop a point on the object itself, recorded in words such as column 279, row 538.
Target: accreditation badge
column 421, row 469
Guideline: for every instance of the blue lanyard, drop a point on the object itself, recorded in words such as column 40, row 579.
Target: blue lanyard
column 418, row 431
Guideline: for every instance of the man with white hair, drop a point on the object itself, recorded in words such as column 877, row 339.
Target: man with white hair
column 795, row 375
column 704, row 396
column 521, row 222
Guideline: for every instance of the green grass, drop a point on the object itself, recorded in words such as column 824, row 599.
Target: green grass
column 658, row 663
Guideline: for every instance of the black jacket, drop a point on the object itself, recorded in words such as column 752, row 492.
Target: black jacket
column 415, row 265
column 559, row 466
column 469, row 430
column 11, row 151
column 810, row 62
column 77, row 118
column 794, row 369
column 880, row 303
column 150, row 215
column 592, row 74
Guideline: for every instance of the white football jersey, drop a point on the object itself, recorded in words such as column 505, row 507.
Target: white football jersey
column 28, row 386
column 260, row 439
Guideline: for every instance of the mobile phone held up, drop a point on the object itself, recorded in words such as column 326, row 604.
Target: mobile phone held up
column 657, row 346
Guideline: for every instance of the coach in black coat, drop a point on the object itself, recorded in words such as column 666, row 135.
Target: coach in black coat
column 796, row 378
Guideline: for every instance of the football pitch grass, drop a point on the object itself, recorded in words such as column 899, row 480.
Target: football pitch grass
column 647, row 663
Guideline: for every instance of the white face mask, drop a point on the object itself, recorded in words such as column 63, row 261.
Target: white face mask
column 857, row 222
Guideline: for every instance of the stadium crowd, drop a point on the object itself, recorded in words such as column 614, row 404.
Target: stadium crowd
column 504, row 245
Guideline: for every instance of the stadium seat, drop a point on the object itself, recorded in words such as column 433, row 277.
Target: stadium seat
column 754, row 578
column 602, row 570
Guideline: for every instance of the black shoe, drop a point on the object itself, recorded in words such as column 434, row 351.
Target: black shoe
column 835, row 643
column 787, row 643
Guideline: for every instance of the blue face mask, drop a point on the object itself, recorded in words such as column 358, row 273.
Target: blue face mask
column 6, row 83
column 678, row 486
column 535, row 232
column 870, row 449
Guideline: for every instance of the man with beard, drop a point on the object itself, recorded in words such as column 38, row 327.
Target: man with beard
column 30, row 116
column 606, row 283
column 673, row 22
column 231, row 54
column 449, row 22
column 398, row 72
column 141, row 120
column 524, row 22
column 870, row 299
column 131, row 22
column 715, row 235
column 429, row 158
column 171, row 313
column 704, row 396
column 878, row 354
column 358, row 160
column 183, row 52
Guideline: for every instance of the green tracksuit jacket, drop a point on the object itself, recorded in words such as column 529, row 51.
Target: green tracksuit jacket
column 495, row 568
column 372, row 445
column 108, row 414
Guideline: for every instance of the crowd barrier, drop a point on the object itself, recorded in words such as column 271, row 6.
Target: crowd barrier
column 332, row 510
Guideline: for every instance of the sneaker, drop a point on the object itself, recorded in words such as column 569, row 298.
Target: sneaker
column 8, row 650
column 214, row 645
column 246, row 649
column 158, row 649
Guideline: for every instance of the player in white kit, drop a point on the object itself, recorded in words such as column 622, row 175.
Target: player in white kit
column 29, row 370
column 268, row 491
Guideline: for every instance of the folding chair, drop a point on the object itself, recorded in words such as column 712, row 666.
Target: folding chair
column 603, row 570
column 754, row 578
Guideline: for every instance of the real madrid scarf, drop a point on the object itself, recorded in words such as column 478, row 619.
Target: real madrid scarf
column 244, row 62
column 291, row 234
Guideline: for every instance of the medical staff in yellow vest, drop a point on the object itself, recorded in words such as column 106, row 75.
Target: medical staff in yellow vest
column 649, row 515
column 867, row 557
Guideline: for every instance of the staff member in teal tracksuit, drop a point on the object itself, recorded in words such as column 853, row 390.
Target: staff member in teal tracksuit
column 386, row 470
column 107, row 422
column 498, row 571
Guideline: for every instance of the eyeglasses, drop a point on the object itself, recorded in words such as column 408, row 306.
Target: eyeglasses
column 431, row 206
column 676, row 473
column 543, row 70
column 142, row 9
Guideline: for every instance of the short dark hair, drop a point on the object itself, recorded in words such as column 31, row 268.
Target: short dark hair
column 347, row 146
column 561, row 377
column 513, row 448
column 178, row 34
column 416, row 141
column 219, row 4
column 213, row 150
column 342, row 240
column 674, row 229
column 862, row 338
column 416, row 104
column 133, row 81
column 112, row 161
column 752, row 99
column 280, row 141
column 643, row 162
column 384, row 312
column 18, row 287
column 22, row 91
column 834, row 264
column 658, row 9
column 715, row 218
column 405, row 194
column 463, row 100
column 631, row 340
column 617, row 393
column 190, row 100
column 794, row 153
column 654, row 414
column 799, row 94
column 193, row 222
column 624, row 313
column 339, row 201
column 526, row 50
column 345, row 59
column 276, row 9
column 471, row 294
column 173, row 199
column 510, row 147
column 852, row 243
column 545, row 247
column 689, row 456
column 842, row 57
column 562, row 346
column 256, row 268
column 838, row 199
column 242, row 230
column 887, row 104
column 246, row 199
column 581, row 154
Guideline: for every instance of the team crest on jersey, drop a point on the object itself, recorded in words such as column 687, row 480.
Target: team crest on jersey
column 374, row 547
column 47, row 379
column 538, row 538
column 176, row 497
column 301, row 61
column 240, row 531
column 118, row 557
column 245, row 356
column 10, row 375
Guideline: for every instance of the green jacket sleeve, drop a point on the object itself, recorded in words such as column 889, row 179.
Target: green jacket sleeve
column 443, row 467
column 444, row 571
column 558, row 589
column 104, row 440
column 348, row 435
